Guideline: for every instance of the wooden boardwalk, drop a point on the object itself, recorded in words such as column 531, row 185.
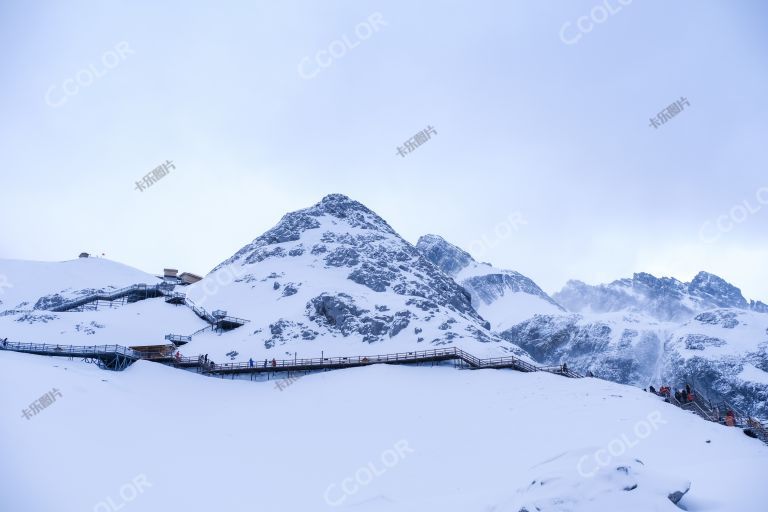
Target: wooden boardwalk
column 117, row 357
column 111, row 357
column 457, row 355
column 218, row 320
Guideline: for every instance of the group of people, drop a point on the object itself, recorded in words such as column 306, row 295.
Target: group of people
column 203, row 360
column 683, row 396
column 251, row 363
column 686, row 396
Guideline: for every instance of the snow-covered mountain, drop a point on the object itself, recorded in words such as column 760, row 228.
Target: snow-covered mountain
column 332, row 278
column 662, row 298
column 653, row 331
column 503, row 297
column 337, row 272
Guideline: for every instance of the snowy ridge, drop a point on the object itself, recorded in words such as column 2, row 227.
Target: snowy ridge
column 663, row 298
column 654, row 331
column 504, row 297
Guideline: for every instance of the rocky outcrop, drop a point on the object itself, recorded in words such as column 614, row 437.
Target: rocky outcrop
column 504, row 297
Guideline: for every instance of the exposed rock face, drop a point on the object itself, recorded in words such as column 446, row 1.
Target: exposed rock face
column 665, row 299
column 49, row 301
column 448, row 258
column 623, row 353
column 344, row 273
column 504, row 297
column 339, row 312
column 653, row 331
column 725, row 318
column 713, row 290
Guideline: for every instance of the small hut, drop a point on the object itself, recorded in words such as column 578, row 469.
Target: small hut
column 189, row 278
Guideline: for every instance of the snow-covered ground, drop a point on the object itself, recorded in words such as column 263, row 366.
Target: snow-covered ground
column 380, row 438
column 141, row 323
column 25, row 282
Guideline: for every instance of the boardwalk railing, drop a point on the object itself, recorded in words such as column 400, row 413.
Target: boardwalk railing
column 107, row 352
column 70, row 350
column 717, row 413
column 143, row 291
column 444, row 354
column 137, row 291
column 178, row 339
column 742, row 419
column 112, row 357
column 270, row 365
column 220, row 321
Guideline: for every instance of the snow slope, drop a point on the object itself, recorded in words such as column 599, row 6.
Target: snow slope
column 29, row 281
column 36, row 284
column 379, row 438
column 503, row 297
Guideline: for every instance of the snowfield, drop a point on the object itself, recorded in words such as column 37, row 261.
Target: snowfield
column 380, row 438
column 25, row 282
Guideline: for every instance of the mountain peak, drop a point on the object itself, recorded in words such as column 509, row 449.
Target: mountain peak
column 665, row 298
column 354, row 213
column 448, row 257
column 716, row 289
column 335, row 207
column 337, row 269
column 504, row 297
column 340, row 204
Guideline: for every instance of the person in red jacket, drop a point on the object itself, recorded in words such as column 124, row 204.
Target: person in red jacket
column 274, row 362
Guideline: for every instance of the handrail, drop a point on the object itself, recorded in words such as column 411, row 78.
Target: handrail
column 206, row 328
column 70, row 349
column 163, row 288
column 178, row 337
column 318, row 362
column 107, row 295
column 699, row 410
column 713, row 414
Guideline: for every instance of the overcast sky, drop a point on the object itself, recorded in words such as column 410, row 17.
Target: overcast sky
column 542, row 111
